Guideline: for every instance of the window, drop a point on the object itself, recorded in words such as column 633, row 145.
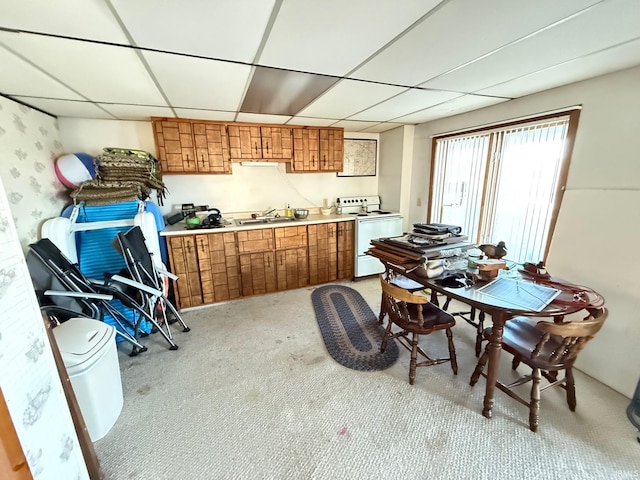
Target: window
column 504, row 182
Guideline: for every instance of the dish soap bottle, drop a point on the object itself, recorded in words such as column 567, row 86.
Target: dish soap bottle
column 288, row 212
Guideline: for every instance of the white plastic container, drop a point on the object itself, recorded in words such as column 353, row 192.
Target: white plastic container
column 88, row 349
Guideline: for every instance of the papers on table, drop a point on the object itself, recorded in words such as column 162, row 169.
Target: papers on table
column 520, row 293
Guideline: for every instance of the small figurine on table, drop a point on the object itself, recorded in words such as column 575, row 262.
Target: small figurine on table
column 494, row 251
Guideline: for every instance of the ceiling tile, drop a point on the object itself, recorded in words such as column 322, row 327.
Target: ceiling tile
column 222, row 29
column 382, row 127
column 21, row 78
column 261, row 118
column 612, row 59
column 136, row 112
column 354, row 125
column 205, row 114
column 90, row 20
column 462, row 104
column 333, row 36
column 312, row 122
column 404, row 104
column 349, row 97
column 454, row 35
column 100, row 73
column 541, row 50
column 66, row 108
column 197, row 83
column 282, row 92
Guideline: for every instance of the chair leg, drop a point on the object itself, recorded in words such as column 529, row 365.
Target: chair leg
column 385, row 338
column 383, row 312
column 534, row 405
column 571, row 389
column 479, row 330
column 452, row 352
column 514, row 363
column 482, row 361
column 414, row 357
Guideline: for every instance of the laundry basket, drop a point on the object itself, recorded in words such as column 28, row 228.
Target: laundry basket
column 633, row 410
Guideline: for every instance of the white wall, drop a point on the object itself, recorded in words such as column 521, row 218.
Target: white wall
column 598, row 227
column 247, row 189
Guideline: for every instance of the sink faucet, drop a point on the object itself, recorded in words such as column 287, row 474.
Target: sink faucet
column 269, row 212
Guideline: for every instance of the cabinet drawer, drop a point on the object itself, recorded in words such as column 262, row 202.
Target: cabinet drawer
column 255, row 240
column 290, row 237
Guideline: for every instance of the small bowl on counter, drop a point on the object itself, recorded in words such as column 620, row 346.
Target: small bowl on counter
column 325, row 210
column 300, row 213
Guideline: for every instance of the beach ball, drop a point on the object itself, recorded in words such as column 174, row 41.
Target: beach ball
column 74, row 168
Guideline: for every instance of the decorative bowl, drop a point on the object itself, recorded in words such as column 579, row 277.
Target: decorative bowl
column 325, row 210
column 301, row 213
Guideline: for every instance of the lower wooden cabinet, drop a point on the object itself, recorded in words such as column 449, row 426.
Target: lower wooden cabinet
column 221, row 266
column 346, row 250
column 183, row 257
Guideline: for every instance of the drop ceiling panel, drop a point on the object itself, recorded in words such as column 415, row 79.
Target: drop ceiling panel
column 21, row 78
column 205, row 114
column 197, row 83
column 136, row 112
column 333, row 36
column 72, row 18
column 101, row 73
column 312, row 122
column 404, row 104
column 382, row 127
column 564, row 42
column 349, row 97
column 261, row 118
column 462, row 104
column 459, row 32
column 618, row 58
column 354, row 125
column 66, row 108
column 224, row 29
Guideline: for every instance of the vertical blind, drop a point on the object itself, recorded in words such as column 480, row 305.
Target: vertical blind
column 501, row 185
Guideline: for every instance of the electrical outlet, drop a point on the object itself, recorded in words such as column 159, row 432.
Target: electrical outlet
column 419, row 202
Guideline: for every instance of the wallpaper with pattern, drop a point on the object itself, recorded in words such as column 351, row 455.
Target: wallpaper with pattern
column 29, row 144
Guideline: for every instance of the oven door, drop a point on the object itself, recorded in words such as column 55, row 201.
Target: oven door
column 368, row 229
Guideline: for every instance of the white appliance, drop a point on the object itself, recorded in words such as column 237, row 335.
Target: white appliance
column 371, row 223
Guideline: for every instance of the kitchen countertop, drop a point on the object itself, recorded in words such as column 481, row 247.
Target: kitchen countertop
column 180, row 227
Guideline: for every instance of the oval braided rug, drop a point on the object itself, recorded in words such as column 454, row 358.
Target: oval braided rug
column 350, row 329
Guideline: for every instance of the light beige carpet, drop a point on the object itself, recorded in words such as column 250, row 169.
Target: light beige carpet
column 253, row 394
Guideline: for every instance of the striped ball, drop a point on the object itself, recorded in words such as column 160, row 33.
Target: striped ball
column 74, row 168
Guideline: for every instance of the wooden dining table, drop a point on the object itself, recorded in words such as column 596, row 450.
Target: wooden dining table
column 567, row 302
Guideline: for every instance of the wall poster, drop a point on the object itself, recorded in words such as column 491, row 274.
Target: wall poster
column 360, row 157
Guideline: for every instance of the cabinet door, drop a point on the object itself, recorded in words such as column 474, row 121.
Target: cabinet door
column 245, row 142
column 305, row 150
column 258, row 273
column 276, row 143
column 174, row 142
column 323, row 256
column 219, row 267
column 346, row 249
column 184, row 263
column 211, row 147
column 331, row 149
column 258, row 240
column 292, row 268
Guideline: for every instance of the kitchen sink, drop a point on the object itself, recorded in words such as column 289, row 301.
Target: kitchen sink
column 267, row 220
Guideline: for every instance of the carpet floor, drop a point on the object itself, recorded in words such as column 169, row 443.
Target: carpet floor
column 253, row 394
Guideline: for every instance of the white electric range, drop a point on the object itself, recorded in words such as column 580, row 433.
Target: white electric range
column 371, row 222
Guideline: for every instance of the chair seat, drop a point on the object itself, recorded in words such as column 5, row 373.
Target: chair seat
column 520, row 338
column 434, row 319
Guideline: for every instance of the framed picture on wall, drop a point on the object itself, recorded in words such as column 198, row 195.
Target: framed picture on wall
column 360, row 155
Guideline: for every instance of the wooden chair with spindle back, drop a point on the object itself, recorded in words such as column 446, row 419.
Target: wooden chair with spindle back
column 547, row 348
column 414, row 315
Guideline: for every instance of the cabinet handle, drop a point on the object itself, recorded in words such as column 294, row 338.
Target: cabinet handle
column 256, row 147
column 268, row 262
column 202, row 157
column 313, row 161
column 267, row 147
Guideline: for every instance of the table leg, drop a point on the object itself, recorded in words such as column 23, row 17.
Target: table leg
column 494, row 349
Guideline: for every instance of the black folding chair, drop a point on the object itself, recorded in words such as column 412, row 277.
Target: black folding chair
column 54, row 276
column 144, row 270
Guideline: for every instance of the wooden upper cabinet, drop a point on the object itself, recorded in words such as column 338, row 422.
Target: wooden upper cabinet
column 211, row 148
column 248, row 142
column 317, row 150
column 174, row 143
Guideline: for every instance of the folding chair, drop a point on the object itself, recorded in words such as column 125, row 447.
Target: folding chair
column 143, row 269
